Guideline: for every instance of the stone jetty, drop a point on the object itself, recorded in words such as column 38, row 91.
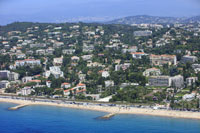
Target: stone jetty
column 18, row 107
column 108, row 116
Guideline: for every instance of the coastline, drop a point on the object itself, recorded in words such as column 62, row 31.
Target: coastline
column 114, row 110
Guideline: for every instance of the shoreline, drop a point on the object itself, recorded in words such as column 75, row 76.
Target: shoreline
column 114, row 110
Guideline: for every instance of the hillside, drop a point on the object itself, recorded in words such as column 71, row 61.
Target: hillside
column 154, row 20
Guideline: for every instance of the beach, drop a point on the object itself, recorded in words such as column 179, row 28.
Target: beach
column 111, row 109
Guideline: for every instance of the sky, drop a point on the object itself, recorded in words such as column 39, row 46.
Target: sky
column 92, row 10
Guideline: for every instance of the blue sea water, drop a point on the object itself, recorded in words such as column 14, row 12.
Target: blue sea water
column 48, row 119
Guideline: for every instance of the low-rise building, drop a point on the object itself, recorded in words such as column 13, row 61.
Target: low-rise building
column 130, row 49
column 191, row 80
column 79, row 89
column 142, row 33
column 122, row 66
column 68, row 51
column 86, row 57
column 109, row 83
column 138, row 55
column 105, row 74
column 13, row 76
column 4, row 84
column 27, row 79
column 151, row 72
column 58, row 61
column 55, row 70
column 65, row 85
column 189, row 97
column 160, row 60
column 189, row 59
column 27, row 62
column 25, row 91
column 48, row 84
column 4, row 74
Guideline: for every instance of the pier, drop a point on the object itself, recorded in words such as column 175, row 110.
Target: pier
column 108, row 116
column 18, row 107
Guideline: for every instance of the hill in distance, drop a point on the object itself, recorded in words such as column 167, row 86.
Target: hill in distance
column 145, row 19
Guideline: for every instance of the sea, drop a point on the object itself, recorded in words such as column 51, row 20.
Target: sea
column 50, row 119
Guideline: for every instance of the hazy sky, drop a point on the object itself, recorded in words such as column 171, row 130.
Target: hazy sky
column 54, row 10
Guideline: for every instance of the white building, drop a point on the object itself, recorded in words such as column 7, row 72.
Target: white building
column 138, row 55
column 4, row 84
column 105, row 74
column 30, row 62
column 189, row 59
column 58, row 61
column 55, row 70
column 86, row 57
column 25, row 91
column 65, row 85
column 189, row 97
column 48, row 84
column 13, row 76
column 191, row 80
column 109, row 83
column 151, row 72
column 27, row 79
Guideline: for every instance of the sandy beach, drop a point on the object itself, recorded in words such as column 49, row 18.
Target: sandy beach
column 114, row 110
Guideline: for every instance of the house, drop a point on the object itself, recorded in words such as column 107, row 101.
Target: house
column 39, row 45
column 75, row 58
column 79, row 89
column 25, row 91
column 189, row 97
column 74, row 91
column 160, row 60
column 142, row 33
column 93, row 96
column 58, row 44
column 27, row 79
column 94, row 64
column 122, row 66
column 130, row 49
column 151, row 72
column 58, row 61
column 27, row 62
column 48, row 84
column 49, row 51
column 40, row 52
column 191, row 80
column 86, row 57
column 81, row 86
column 88, row 48
column 20, row 56
column 189, row 59
column 65, row 85
column 138, row 55
column 196, row 67
column 68, row 51
column 105, row 74
column 109, row 83
column 4, row 84
column 55, row 70
column 82, row 77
